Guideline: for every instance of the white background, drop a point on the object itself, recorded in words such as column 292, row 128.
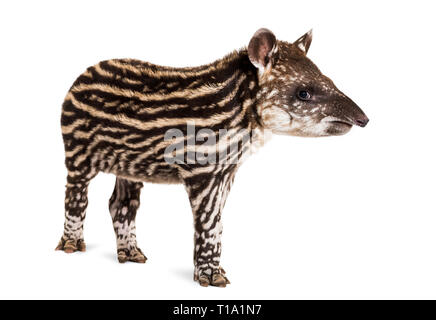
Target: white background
column 342, row 217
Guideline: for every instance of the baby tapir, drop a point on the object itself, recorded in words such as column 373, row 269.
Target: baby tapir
column 148, row 123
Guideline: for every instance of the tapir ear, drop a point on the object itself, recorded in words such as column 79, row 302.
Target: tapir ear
column 304, row 42
column 261, row 48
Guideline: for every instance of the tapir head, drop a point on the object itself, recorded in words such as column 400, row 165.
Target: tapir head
column 295, row 98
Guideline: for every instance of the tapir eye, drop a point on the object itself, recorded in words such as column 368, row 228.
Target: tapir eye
column 303, row 95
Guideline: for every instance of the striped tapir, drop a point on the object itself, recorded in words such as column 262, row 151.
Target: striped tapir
column 149, row 123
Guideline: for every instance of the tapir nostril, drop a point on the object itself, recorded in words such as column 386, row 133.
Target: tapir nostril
column 362, row 122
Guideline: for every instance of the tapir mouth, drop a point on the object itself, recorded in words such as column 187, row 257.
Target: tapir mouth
column 361, row 122
column 340, row 122
column 337, row 121
column 336, row 126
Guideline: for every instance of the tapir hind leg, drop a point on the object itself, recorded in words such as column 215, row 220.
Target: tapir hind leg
column 123, row 205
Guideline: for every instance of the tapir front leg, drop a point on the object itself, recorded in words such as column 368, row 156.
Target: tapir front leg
column 207, row 194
